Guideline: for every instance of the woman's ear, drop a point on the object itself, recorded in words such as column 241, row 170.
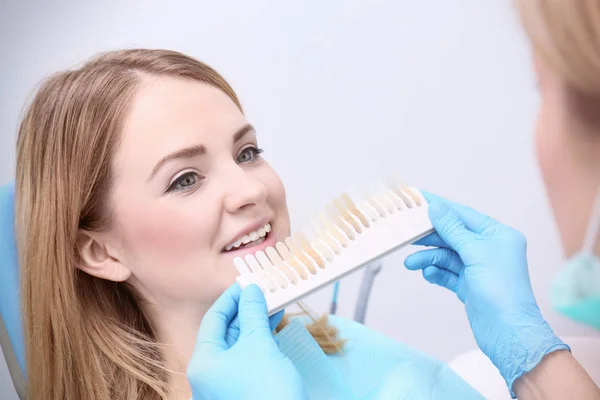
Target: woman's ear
column 96, row 259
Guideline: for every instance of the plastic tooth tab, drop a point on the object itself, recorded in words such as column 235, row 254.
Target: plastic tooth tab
column 347, row 216
column 289, row 259
column 385, row 203
column 260, row 273
column 347, row 201
column 369, row 211
column 404, row 196
column 398, row 188
column 414, row 196
column 333, row 231
column 280, row 265
column 376, row 206
column 337, row 220
column 327, row 238
column 397, row 201
column 241, row 266
column 299, row 255
column 308, row 249
column 264, row 261
column 252, row 279
column 323, row 249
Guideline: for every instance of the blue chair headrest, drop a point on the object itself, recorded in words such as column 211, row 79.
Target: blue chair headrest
column 10, row 308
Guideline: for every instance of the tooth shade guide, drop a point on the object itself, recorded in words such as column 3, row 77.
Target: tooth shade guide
column 281, row 265
column 387, row 234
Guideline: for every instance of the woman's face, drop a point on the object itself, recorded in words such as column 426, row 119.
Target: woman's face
column 190, row 183
column 568, row 151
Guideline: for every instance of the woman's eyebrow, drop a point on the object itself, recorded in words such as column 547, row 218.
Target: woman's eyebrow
column 188, row 152
column 198, row 150
column 240, row 133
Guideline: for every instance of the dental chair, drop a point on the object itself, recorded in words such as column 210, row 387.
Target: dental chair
column 11, row 332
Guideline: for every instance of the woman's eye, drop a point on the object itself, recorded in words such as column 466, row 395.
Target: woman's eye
column 184, row 182
column 249, row 154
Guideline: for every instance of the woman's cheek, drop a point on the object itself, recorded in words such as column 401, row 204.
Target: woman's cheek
column 160, row 234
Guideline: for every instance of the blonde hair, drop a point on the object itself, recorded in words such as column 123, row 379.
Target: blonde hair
column 566, row 36
column 86, row 338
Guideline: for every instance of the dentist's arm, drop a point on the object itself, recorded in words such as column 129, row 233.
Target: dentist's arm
column 558, row 376
column 485, row 264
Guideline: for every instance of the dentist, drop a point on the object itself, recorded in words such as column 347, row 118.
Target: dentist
column 483, row 261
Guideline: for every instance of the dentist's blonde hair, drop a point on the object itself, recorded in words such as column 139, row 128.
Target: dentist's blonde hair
column 566, row 36
column 87, row 338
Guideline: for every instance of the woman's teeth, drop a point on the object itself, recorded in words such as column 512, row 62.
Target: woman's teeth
column 251, row 239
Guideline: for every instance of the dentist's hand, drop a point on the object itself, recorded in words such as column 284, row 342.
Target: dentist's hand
column 233, row 330
column 243, row 363
column 485, row 264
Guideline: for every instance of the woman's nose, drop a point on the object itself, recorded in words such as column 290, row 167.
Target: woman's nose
column 243, row 191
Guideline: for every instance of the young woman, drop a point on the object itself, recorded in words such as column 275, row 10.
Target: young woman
column 138, row 180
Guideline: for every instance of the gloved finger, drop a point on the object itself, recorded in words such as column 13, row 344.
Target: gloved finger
column 233, row 331
column 472, row 219
column 431, row 240
column 253, row 312
column 441, row 277
column 441, row 258
column 217, row 319
column 449, row 226
column 275, row 319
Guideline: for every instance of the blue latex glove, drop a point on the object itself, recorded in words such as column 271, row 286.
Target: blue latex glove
column 485, row 264
column 233, row 330
column 252, row 367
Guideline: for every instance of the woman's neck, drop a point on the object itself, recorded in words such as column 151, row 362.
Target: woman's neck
column 176, row 327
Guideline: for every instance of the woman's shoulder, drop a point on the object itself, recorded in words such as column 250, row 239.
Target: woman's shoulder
column 374, row 350
column 363, row 339
column 371, row 365
column 391, row 368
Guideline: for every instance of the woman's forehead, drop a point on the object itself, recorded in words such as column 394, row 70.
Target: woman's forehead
column 169, row 114
column 174, row 104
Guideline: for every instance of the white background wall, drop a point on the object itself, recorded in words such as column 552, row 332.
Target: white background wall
column 440, row 92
